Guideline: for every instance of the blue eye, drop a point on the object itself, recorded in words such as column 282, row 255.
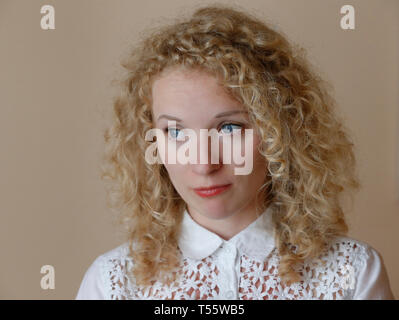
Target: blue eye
column 230, row 127
column 173, row 132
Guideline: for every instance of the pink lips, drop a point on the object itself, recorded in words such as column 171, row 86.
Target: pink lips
column 211, row 191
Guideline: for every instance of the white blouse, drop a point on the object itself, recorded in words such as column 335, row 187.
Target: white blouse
column 244, row 267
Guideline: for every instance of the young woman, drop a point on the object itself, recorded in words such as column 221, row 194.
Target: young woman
column 199, row 230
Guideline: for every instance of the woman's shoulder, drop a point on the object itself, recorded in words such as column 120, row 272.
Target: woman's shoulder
column 105, row 275
column 345, row 252
column 342, row 252
column 117, row 261
column 349, row 248
column 346, row 249
column 356, row 266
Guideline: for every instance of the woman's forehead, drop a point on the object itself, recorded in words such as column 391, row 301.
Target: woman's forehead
column 182, row 92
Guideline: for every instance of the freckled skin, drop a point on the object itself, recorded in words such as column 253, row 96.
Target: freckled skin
column 195, row 97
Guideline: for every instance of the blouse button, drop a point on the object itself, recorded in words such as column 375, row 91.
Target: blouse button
column 229, row 294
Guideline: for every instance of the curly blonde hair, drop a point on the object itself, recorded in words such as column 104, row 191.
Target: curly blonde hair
column 310, row 156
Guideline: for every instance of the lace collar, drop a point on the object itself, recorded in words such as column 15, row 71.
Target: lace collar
column 256, row 240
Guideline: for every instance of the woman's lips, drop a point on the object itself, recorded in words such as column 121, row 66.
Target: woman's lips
column 209, row 192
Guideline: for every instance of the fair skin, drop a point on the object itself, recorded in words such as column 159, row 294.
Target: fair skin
column 196, row 98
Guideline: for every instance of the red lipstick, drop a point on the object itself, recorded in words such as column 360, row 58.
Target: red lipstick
column 212, row 190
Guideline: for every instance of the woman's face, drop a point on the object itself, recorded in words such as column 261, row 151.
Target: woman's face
column 196, row 99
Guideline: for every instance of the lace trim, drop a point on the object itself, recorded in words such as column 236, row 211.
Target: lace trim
column 332, row 276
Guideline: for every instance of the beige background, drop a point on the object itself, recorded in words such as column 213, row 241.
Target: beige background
column 55, row 92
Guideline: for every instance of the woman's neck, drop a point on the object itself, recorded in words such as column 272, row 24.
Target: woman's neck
column 226, row 227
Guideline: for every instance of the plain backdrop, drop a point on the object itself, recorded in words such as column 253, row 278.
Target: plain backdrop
column 55, row 101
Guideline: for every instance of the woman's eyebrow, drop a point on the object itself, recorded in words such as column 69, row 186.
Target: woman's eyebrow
column 220, row 115
column 168, row 117
column 228, row 113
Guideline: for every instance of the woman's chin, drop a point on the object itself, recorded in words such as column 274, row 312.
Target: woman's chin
column 216, row 210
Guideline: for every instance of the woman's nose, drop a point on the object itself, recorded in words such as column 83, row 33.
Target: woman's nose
column 205, row 169
column 204, row 152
